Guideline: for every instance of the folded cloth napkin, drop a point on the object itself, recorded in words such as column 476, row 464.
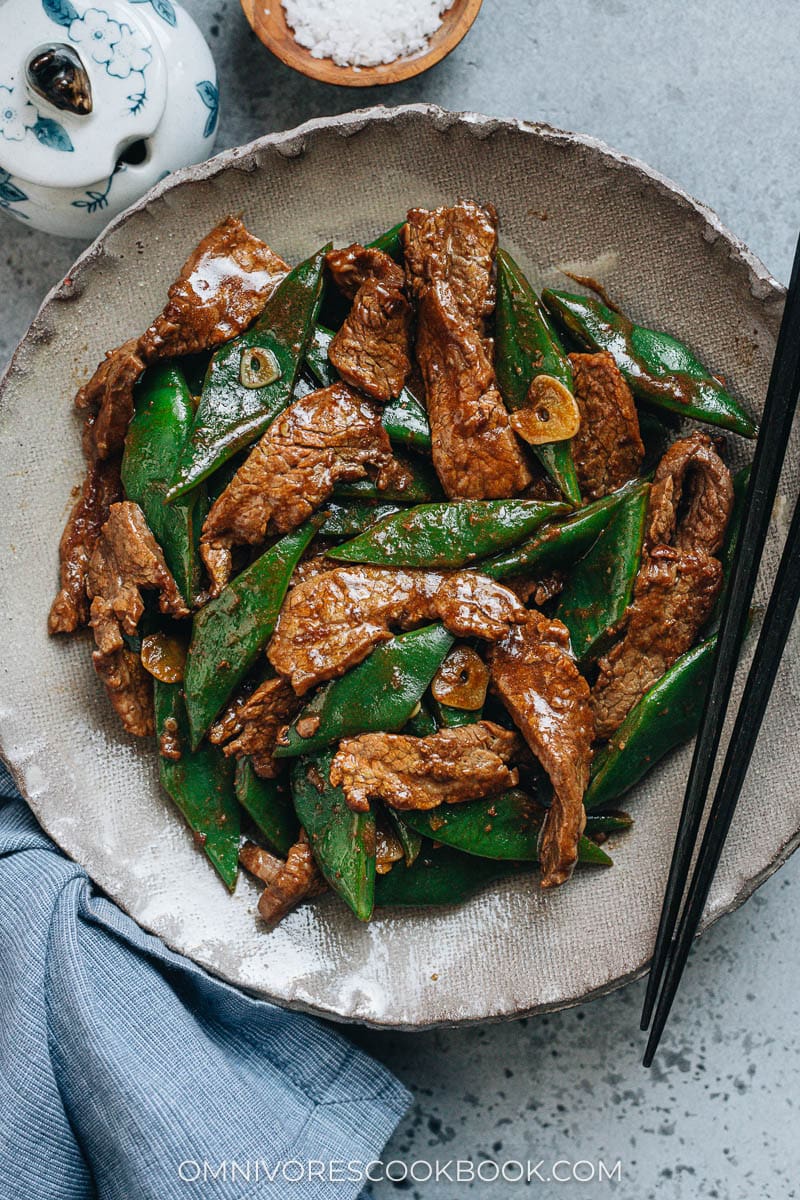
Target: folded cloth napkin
column 128, row 1073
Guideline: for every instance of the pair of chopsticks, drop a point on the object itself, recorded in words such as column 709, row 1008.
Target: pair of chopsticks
column 674, row 938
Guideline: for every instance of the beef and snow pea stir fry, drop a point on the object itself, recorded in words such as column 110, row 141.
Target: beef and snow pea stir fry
column 408, row 572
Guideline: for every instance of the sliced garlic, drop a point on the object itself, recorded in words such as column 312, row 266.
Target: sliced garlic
column 551, row 414
column 259, row 367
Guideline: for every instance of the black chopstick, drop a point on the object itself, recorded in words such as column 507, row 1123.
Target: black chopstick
column 770, row 451
column 769, row 651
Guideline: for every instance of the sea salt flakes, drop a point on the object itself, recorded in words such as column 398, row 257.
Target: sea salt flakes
column 364, row 33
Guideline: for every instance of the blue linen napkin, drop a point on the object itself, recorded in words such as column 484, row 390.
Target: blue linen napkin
column 128, row 1073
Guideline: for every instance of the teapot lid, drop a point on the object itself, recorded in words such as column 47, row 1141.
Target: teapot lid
column 78, row 84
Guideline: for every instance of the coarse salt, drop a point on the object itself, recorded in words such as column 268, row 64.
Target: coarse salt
column 363, row 33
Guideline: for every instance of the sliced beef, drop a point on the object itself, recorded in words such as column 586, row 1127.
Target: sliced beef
column 535, row 675
column 109, row 395
column 692, row 497
column 287, row 883
column 455, row 245
column 252, row 727
column 352, row 267
column 450, row 270
column 223, row 286
column 372, row 350
column 608, row 448
column 102, row 487
column 125, row 561
column 674, row 596
column 130, row 689
column 331, row 622
column 323, row 438
column 475, row 451
column 464, row 763
column 679, row 579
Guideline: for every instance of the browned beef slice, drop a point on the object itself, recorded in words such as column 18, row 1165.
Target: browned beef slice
column 101, row 488
column 608, row 448
column 691, row 498
column 678, row 582
column 109, row 394
column 674, row 595
column 353, row 265
column 322, row 438
column 287, row 883
column 454, row 245
column 130, row 689
column 464, row 763
column 332, row 621
column 475, row 451
column 372, row 349
column 125, row 560
column 535, row 675
column 223, row 286
column 255, row 723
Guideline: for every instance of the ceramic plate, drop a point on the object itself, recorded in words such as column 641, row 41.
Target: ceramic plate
column 565, row 202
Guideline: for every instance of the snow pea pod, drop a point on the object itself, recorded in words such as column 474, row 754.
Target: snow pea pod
column 161, row 422
column 422, row 723
column 601, row 586
column 448, row 717
column 408, row 838
column 667, row 715
column 343, row 842
column 561, row 543
column 500, row 827
column 380, row 693
column 200, row 782
column 420, row 485
column 404, row 419
column 348, row 520
column 229, row 632
column 251, row 378
column 439, row 877
column 526, row 347
column 657, row 367
column 449, row 534
column 269, row 804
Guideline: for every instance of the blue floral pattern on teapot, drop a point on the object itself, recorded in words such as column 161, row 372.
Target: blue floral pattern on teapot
column 124, row 41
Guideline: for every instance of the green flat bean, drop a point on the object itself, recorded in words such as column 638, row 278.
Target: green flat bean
column 561, row 543
column 380, row 693
column 499, row 827
column 439, row 877
column 657, row 367
column 343, row 841
column 449, row 534
column 200, row 783
column 526, row 345
column 601, row 586
column 230, row 631
column 269, row 803
column 161, row 422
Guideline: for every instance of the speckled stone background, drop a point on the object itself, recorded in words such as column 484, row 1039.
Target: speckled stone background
column 706, row 91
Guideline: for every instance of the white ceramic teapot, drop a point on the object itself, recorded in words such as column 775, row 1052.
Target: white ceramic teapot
column 99, row 99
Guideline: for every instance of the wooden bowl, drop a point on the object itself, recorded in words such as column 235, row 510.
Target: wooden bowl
column 268, row 19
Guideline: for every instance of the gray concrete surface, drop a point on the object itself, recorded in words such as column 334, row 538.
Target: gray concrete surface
column 706, row 91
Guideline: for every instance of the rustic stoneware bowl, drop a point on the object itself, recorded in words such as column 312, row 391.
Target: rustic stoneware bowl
column 565, row 202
